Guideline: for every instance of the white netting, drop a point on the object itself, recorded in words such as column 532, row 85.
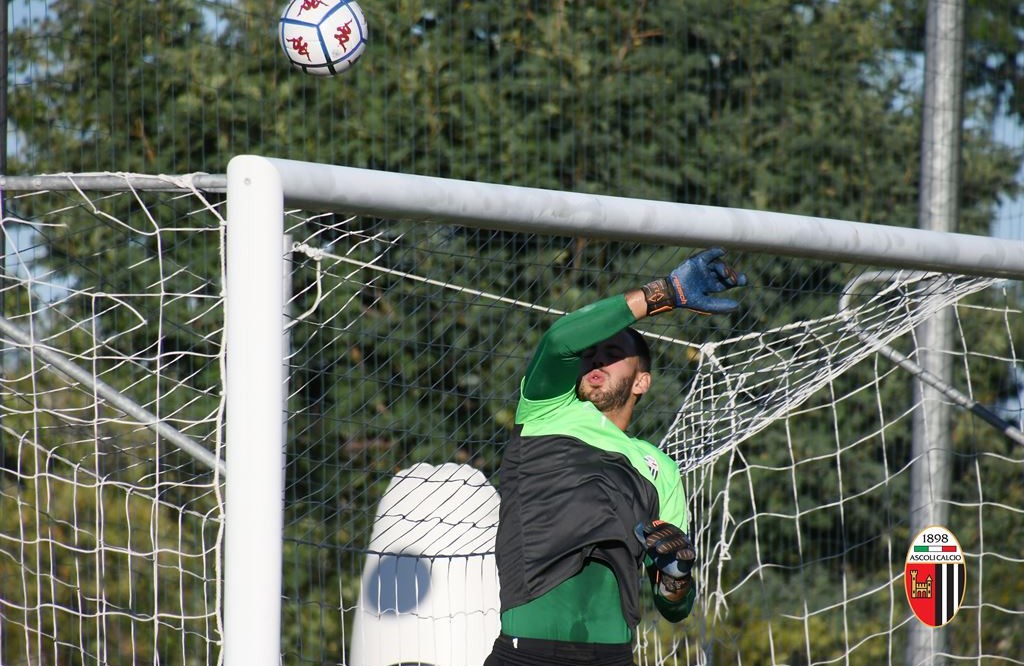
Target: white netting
column 110, row 510
column 744, row 384
column 815, row 501
column 406, row 343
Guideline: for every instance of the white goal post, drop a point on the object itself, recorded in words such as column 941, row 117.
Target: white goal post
column 258, row 190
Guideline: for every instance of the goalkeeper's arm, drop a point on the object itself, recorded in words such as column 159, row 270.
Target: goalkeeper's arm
column 692, row 285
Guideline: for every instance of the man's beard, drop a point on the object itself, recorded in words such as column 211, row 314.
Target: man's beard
column 608, row 397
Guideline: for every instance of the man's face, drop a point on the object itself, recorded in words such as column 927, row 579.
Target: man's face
column 610, row 373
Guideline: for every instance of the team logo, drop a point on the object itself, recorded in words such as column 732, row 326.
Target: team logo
column 652, row 465
column 935, row 576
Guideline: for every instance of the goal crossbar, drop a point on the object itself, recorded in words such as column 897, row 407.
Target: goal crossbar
column 533, row 210
column 313, row 186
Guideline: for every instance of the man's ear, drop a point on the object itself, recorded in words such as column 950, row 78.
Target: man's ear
column 642, row 383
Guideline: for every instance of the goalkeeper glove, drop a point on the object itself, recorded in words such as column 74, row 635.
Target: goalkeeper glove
column 668, row 547
column 691, row 284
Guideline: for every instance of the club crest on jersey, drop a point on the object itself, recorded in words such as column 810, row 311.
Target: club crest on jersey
column 935, row 576
column 652, row 465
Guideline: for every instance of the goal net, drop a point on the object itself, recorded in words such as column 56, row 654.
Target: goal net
column 403, row 345
column 110, row 428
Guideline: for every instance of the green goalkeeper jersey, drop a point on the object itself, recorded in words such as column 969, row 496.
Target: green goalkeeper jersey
column 573, row 487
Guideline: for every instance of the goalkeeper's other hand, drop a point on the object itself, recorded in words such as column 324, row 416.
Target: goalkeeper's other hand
column 693, row 281
column 668, row 547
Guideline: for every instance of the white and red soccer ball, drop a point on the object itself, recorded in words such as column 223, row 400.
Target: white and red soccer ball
column 323, row 37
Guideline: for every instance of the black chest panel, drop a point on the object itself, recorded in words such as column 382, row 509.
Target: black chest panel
column 563, row 501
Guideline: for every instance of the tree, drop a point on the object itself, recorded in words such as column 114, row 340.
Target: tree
column 797, row 108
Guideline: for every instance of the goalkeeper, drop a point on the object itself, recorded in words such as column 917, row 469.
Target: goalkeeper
column 582, row 503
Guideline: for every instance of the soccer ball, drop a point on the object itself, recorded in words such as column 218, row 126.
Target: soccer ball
column 323, row 37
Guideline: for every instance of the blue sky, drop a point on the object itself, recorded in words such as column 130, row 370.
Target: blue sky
column 1010, row 220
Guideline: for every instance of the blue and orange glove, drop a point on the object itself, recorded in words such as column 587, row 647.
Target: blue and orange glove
column 692, row 284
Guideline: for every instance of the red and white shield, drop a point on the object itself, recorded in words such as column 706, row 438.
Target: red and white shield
column 935, row 576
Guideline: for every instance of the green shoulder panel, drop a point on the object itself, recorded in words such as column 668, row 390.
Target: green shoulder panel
column 567, row 415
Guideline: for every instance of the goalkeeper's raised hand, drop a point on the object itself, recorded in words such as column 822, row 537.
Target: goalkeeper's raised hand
column 692, row 284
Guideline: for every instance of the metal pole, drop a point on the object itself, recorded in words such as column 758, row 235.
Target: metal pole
column 939, row 207
column 3, row 171
column 55, row 361
column 532, row 210
column 3, row 88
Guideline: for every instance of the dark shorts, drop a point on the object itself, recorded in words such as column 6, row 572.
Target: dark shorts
column 535, row 652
